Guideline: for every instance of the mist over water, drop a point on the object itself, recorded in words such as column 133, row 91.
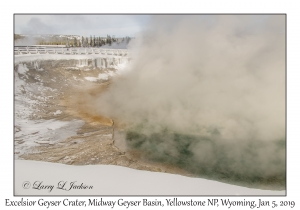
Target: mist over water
column 207, row 93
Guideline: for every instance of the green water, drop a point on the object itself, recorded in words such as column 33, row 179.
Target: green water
column 248, row 163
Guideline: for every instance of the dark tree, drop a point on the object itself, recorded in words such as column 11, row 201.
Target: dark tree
column 82, row 41
column 75, row 42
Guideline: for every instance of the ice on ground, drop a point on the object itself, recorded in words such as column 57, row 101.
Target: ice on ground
column 82, row 62
column 22, row 68
column 103, row 76
column 31, row 133
column 28, row 132
column 92, row 79
column 23, row 102
column 122, row 68
column 72, row 68
column 36, row 65
column 58, row 112
column 34, row 57
column 117, row 180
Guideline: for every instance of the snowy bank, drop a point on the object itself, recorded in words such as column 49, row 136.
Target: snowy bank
column 115, row 180
column 33, row 57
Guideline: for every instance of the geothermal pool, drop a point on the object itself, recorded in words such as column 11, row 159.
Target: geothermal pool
column 58, row 120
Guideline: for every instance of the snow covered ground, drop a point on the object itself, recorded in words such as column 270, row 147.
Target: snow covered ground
column 30, row 133
column 30, row 96
column 115, row 180
column 33, row 57
column 120, row 69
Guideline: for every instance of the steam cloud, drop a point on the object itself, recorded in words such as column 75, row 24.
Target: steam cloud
column 26, row 41
column 207, row 93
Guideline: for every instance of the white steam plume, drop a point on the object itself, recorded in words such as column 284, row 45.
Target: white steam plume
column 207, row 93
column 200, row 73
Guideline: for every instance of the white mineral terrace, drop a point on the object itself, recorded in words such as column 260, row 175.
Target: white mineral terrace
column 69, row 51
column 101, row 57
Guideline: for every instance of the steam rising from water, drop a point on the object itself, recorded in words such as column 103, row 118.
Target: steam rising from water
column 213, row 85
column 25, row 41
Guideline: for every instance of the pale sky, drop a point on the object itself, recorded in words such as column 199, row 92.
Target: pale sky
column 98, row 25
column 85, row 25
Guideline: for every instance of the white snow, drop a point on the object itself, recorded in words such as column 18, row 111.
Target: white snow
column 117, row 180
column 32, row 133
column 22, row 68
column 82, row 62
column 103, row 76
column 58, row 112
column 92, row 79
column 37, row 66
column 122, row 67
column 72, row 68
column 34, row 57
